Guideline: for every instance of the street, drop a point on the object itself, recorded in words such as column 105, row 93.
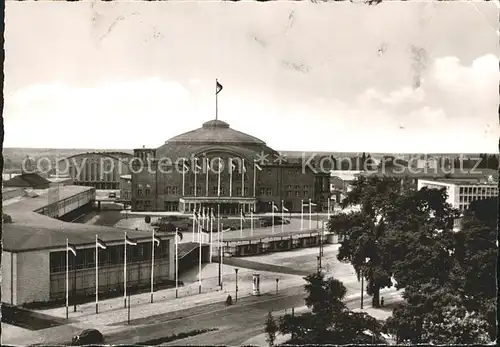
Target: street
column 249, row 312
column 238, row 322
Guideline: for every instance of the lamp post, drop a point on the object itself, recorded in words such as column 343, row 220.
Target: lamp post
column 367, row 259
column 236, row 287
column 277, row 281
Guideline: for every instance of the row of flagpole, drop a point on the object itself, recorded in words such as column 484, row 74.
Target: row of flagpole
column 232, row 168
column 100, row 244
column 155, row 241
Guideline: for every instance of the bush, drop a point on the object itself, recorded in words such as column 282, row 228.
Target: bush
column 6, row 218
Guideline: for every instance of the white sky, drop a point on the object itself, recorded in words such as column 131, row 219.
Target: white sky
column 300, row 76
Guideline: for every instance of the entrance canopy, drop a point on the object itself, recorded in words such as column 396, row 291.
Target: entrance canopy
column 226, row 205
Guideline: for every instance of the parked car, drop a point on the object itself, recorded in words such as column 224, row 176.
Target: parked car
column 88, row 337
column 112, row 195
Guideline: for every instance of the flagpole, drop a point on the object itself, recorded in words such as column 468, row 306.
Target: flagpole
column 251, row 223
column 230, row 177
column 218, row 180
column 301, row 214
column 218, row 238
column 183, row 177
column 310, row 214
column 67, row 279
column 221, row 248
column 254, row 178
column 199, row 265
column 206, row 183
column 243, row 178
column 216, row 106
column 282, row 215
column 153, row 261
column 272, row 217
column 194, row 222
column 328, row 209
column 96, row 277
column 176, row 264
column 125, row 270
column 241, row 222
column 210, row 236
column 195, row 171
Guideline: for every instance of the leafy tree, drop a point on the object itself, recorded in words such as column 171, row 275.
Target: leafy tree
column 456, row 326
column 6, row 218
column 330, row 322
column 271, row 329
column 364, row 231
column 444, row 273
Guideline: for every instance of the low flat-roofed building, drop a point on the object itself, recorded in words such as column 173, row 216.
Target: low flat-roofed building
column 54, row 202
column 462, row 192
column 34, row 248
column 34, row 261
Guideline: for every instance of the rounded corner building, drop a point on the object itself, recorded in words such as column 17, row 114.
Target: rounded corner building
column 216, row 166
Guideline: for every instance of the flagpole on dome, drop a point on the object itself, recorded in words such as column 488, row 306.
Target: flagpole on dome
column 218, row 88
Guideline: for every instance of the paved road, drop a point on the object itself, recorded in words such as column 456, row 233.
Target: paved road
column 239, row 321
column 236, row 323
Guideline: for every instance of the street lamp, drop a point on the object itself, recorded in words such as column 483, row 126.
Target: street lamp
column 236, row 288
column 367, row 259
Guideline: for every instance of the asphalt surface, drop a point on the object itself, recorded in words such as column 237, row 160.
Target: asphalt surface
column 236, row 323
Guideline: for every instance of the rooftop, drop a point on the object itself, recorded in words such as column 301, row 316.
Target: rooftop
column 434, row 173
column 216, row 131
column 463, row 182
column 27, row 180
column 22, row 238
column 40, row 198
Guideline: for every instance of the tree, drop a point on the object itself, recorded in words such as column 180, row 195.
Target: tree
column 330, row 322
column 364, row 231
column 271, row 329
column 6, row 218
column 444, row 273
column 456, row 326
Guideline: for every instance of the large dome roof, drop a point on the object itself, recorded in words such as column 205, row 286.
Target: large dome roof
column 215, row 132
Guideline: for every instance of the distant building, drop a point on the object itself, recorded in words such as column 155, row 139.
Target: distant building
column 126, row 188
column 340, row 180
column 412, row 175
column 101, row 170
column 460, row 192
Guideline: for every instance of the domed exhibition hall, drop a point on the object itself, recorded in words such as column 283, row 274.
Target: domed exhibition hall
column 216, row 166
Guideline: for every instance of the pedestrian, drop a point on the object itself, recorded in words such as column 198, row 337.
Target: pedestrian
column 382, row 302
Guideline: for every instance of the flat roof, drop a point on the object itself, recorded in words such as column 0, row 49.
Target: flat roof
column 23, row 238
column 276, row 235
column 462, row 182
column 433, row 173
column 28, row 204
